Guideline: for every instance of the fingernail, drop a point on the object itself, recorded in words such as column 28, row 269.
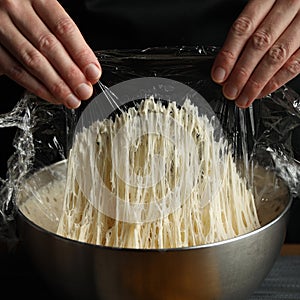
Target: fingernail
column 242, row 101
column 92, row 72
column 219, row 74
column 72, row 101
column 230, row 91
column 84, row 91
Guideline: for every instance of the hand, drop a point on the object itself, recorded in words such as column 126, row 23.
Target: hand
column 42, row 49
column 261, row 52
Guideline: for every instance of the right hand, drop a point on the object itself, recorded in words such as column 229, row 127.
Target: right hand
column 42, row 49
column 261, row 52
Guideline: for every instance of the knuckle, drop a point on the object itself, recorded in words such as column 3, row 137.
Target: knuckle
column 242, row 25
column 17, row 73
column 227, row 55
column 59, row 89
column 82, row 55
column 277, row 54
column 64, row 26
column 255, row 85
column 293, row 67
column 30, row 58
column 47, row 42
column 261, row 40
column 273, row 84
column 37, row 91
column 72, row 73
column 242, row 73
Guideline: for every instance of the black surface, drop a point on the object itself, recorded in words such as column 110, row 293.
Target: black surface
column 99, row 32
column 283, row 282
column 20, row 280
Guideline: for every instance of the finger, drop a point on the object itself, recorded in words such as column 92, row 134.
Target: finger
column 25, row 19
column 263, row 38
column 240, row 32
column 63, row 27
column 11, row 68
column 289, row 71
column 272, row 62
column 35, row 63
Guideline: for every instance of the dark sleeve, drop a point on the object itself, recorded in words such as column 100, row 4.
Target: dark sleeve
column 131, row 24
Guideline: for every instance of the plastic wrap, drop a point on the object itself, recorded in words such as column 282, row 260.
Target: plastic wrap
column 262, row 134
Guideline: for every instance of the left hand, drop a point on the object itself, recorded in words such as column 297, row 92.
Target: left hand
column 261, row 52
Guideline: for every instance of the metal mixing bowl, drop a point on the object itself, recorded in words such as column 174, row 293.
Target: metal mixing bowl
column 232, row 269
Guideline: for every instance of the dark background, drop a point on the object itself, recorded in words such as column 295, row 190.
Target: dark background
column 142, row 24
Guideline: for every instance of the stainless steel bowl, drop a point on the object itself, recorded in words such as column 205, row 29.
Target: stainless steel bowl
column 232, row 269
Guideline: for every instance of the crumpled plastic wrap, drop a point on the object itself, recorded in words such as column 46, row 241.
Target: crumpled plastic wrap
column 264, row 132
